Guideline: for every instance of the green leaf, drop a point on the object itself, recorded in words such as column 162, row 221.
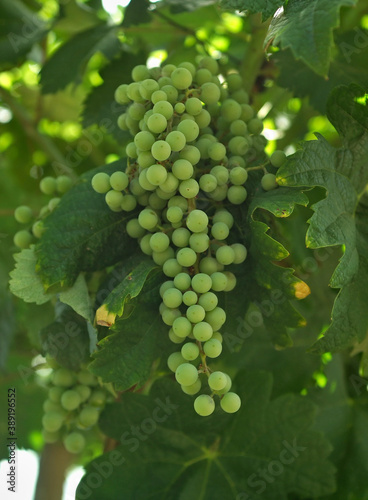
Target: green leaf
column 79, row 234
column 67, row 64
column 267, row 7
column 347, row 67
column 67, row 338
column 136, row 13
column 100, row 107
column 134, row 274
column 340, row 218
column 77, row 297
column 178, row 6
column 189, row 457
column 25, row 283
column 268, row 282
column 316, row 19
column 20, row 29
column 126, row 355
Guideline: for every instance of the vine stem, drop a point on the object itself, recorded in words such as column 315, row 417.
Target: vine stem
column 53, row 465
column 30, row 129
column 254, row 53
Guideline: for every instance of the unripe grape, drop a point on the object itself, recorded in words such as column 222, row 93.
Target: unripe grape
column 189, row 188
column 190, row 298
column 212, row 348
column 210, row 93
column 182, row 169
column 230, row 402
column 268, row 182
column 182, row 281
column 181, row 78
column 172, row 298
column 176, row 140
column 236, row 194
column 175, row 360
column 101, row 182
column 204, row 405
column 195, row 313
column 192, row 389
column 189, row 128
column 22, row 239
column 278, row 158
column 186, row 374
column 52, row 421
column 217, row 381
column 23, row 214
column 70, row 400
column 197, row 221
column 161, row 150
column 190, row 351
column 48, row 185
column 74, row 442
column 186, row 257
column 171, row 268
column 202, row 331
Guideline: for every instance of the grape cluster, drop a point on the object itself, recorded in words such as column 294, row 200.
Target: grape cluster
column 194, row 136
column 72, row 408
column 24, row 214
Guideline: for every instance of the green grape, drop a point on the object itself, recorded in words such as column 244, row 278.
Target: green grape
column 199, row 242
column 197, row 221
column 131, row 150
column 22, row 239
column 165, row 286
column 236, row 161
column 144, row 182
column 136, row 111
column 180, row 237
column 192, row 389
column 189, row 66
column 85, row 377
column 182, row 327
column 181, row 78
column 171, row 92
column 156, row 202
column 48, row 185
column 156, row 123
column 50, row 437
column 219, row 281
column 168, row 69
column 159, row 242
column 223, row 216
column 216, row 318
column 164, row 108
column 161, row 150
column 209, row 63
column 195, row 313
column 161, row 257
column 201, row 283
column 221, row 173
column 182, row 169
column 172, row 298
column 238, row 145
column 121, row 96
column 190, row 153
column 74, row 442
column 175, row 360
column 193, row 106
column 203, row 76
column 53, row 203
column 230, row 110
column 52, row 421
column 70, row 400
column 176, row 140
column 84, row 391
column 227, row 386
column 225, row 255
column 238, row 176
column 134, row 229
column 204, row 405
column 236, row 195
column 218, row 336
column 189, row 188
column 147, row 88
column 145, row 159
column 208, row 183
column 210, row 92
column 208, row 265
column 182, row 281
column 212, row 348
column 114, row 199
column 179, row 108
column 157, row 96
column 156, row 174
column 217, row 151
column 174, row 338
column 169, row 186
column 231, row 281
column 148, row 219
column 140, row 72
column 170, row 315
column 55, row 393
column 144, row 140
column 97, row 398
column 88, row 416
column 23, row 214
column 230, row 402
column 101, row 182
column 63, row 377
column 268, row 182
column 217, row 381
column 174, row 214
column 38, row 229
column 208, row 301
column 240, row 253
column 190, row 129
column 220, row 231
column 202, row 331
column 255, row 126
column 190, row 298
column 190, row 351
column 49, row 406
column 186, row 257
column 186, row 374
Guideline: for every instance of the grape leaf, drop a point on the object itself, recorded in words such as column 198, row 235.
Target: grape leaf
column 67, row 339
column 339, row 219
column 178, row 6
column 316, row 19
column 100, row 107
column 77, row 297
column 347, row 67
column 268, row 283
column 68, row 62
column 190, row 457
column 136, row 12
column 20, row 28
column 267, row 7
column 24, row 282
column 134, row 274
column 79, row 232
column 126, row 354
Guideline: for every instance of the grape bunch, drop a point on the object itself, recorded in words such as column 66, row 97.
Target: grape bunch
column 72, row 408
column 24, row 214
column 195, row 134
